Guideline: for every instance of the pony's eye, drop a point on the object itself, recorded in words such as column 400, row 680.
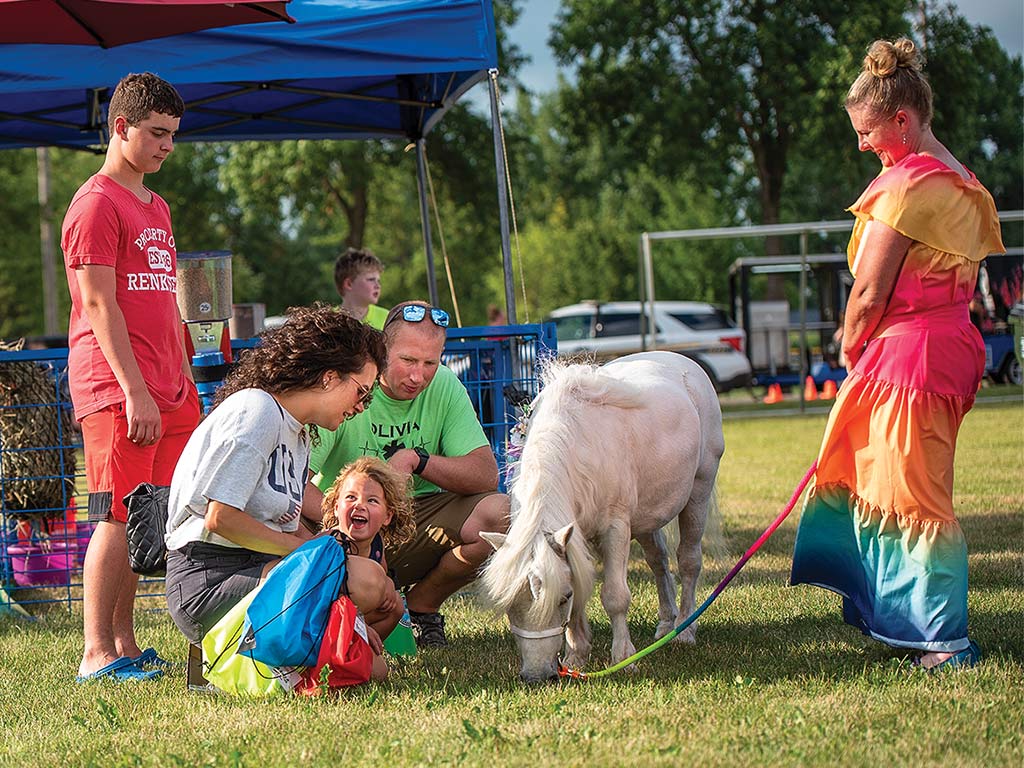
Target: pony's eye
column 565, row 599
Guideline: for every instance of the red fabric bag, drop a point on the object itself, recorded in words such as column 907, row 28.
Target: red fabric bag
column 344, row 650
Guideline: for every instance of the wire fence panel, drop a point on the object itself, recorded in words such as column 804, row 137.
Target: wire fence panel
column 499, row 367
column 44, row 530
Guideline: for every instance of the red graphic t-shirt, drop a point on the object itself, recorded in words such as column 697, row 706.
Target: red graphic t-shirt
column 106, row 224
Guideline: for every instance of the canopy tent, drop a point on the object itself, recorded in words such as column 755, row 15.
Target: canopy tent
column 107, row 23
column 347, row 69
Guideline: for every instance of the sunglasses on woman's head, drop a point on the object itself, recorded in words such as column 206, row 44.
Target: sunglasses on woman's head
column 415, row 313
column 365, row 393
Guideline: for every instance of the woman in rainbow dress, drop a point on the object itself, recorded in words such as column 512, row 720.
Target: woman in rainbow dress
column 878, row 525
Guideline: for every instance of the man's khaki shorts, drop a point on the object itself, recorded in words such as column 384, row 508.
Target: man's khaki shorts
column 439, row 519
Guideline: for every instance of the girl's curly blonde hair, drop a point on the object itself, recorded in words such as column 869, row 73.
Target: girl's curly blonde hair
column 397, row 497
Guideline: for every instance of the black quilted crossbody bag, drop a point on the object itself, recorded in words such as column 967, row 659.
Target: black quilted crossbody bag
column 147, row 523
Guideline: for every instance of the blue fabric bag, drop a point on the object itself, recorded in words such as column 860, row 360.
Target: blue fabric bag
column 285, row 622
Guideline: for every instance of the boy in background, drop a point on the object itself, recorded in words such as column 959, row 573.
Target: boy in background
column 357, row 278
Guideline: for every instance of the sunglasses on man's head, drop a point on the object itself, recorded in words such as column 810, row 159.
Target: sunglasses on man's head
column 415, row 313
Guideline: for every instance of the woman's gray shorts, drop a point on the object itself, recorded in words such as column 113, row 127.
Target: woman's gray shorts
column 205, row 580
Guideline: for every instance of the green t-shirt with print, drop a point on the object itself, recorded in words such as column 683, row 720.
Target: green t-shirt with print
column 440, row 420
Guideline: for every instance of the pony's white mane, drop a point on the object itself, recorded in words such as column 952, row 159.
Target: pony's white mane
column 553, row 480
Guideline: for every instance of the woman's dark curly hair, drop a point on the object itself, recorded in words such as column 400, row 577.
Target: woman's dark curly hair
column 296, row 355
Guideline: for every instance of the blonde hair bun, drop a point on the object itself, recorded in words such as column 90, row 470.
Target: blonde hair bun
column 885, row 57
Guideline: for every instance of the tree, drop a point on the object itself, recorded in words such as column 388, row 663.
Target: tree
column 580, row 218
column 311, row 199
column 19, row 273
column 979, row 93
column 720, row 87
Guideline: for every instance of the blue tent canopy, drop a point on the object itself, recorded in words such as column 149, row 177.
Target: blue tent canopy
column 347, row 69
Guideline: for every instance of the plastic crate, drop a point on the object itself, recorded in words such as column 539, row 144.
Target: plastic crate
column 498, row 366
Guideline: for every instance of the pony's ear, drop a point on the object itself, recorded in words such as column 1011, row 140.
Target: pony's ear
column 559, row 540
column 494, row 539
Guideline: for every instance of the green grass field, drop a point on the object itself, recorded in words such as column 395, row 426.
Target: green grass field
column 776, row 678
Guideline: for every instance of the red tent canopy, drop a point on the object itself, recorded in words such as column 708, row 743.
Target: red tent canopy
column 115, row 22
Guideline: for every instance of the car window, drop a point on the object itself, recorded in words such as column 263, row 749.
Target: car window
column 619, row 324
column 573, row 327
column 714, row 320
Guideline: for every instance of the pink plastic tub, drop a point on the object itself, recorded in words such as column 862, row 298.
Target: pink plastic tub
column 83, row 531
column 35, row 568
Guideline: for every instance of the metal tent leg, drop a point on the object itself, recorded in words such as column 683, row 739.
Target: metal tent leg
column 499, row 167
column 421, row 185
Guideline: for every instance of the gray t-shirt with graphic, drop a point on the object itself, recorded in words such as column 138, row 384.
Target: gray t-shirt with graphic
column 249, row 453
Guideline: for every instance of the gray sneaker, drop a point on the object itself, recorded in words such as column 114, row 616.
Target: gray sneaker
column 428, row 629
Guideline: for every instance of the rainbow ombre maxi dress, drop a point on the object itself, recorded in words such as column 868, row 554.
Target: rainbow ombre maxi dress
column 878, row 525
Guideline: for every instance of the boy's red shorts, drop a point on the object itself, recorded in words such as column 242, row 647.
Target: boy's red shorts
column 114, row 465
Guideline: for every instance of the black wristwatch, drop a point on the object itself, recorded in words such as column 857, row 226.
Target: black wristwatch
column 424, row 458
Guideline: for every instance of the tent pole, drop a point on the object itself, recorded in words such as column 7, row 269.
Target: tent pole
column 46, row 250
column 803, row 320
column 421, row 184
column 499, row 167
column 652, row 328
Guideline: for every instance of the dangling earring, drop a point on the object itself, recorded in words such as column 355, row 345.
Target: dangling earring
column 904, row 138
column 325, row 384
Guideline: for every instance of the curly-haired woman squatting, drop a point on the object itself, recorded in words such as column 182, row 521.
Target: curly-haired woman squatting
column 878, row 525
column 371, row 503
column 237, row 489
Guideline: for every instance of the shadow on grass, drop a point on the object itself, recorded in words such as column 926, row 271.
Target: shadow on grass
column 788, row 649
column 776, row 650
column 993, row 531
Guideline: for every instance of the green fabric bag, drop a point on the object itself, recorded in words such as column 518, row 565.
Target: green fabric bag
column 237, row 673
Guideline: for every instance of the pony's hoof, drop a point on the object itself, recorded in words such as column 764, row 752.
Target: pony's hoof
column 686, row 637
column 664, row 627
column 576, row 661
column 625, row 653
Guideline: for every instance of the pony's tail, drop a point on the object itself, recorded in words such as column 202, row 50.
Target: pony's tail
column 713, row 541
column 589, row 383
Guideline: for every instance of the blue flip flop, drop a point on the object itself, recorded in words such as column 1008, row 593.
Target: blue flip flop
column 151, row 657
column 122, row 668
column 968, row 657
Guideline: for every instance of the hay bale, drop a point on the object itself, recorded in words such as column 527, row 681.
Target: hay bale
column 37, row 430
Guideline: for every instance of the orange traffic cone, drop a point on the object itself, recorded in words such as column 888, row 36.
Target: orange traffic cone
column 810, row 391
column 828, row 389
column 774, row 394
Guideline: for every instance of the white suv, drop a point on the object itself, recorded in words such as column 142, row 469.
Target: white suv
column 699, row 331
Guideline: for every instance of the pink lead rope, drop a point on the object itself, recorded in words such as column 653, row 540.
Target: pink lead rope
column 577, row 674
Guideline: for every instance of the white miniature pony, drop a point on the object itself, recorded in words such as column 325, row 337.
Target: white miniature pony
column 611, row 454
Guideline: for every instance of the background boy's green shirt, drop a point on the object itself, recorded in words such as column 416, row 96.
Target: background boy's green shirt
column 375, row 316
column 440, row 419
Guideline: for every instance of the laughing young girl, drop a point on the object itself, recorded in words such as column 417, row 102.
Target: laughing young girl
column 370, row 503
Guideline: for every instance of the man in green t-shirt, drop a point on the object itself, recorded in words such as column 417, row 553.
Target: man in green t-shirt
column 420, row 419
